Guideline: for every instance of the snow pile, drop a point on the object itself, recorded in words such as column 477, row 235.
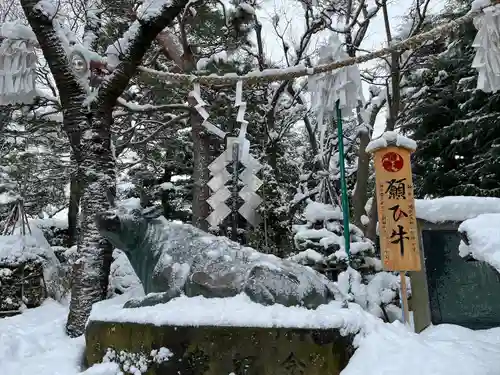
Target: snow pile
column 136, row 363
column 482, row 239
column 392, row 349
column 316, row 211
column 35, row 342
column 374, row 293
column 122, row 277
column 391, row 138
column 237, row 311
column 457, row 208
column 17, row 249
column 46, row 223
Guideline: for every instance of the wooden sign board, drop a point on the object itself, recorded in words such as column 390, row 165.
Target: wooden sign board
column 396, row 210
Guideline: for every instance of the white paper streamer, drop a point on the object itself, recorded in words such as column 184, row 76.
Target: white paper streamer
column 200, row 103
column 17, row 72
column 342, row 85
column 240, row 118
column 487, row 45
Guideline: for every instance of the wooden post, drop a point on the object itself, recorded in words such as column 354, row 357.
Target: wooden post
column 398, row 232
column 234, row 193
column 404, row 298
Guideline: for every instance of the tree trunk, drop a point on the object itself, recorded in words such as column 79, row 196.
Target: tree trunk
column 371, row 229
column 201, row 174
column 75, row 193
column 90, row 275
column 360, row 195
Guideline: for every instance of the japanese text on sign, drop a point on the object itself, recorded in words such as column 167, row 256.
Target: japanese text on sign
column 396, row 210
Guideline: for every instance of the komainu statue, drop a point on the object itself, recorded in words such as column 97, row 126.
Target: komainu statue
column 172, row 259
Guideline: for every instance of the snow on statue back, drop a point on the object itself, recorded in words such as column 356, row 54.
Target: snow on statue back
column 172, row 259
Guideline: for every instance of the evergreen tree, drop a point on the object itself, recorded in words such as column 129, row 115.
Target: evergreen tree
column 455, row 125
column 33, row 161
column 322, row 246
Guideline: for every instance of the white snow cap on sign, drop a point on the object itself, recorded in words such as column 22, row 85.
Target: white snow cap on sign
column 487, row 45
column 391, row 138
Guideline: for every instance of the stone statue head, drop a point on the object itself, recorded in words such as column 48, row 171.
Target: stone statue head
column 125, row 225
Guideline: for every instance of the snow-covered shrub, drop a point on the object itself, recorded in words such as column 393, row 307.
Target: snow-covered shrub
column 17, row 250
column 377, row 293
column 137, row 363
column 320, row 244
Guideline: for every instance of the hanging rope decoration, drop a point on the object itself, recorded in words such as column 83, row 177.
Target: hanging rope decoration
column 196, row 94
column 487, row 45
column 272, row 75
column 251, row 183
column 237, row 152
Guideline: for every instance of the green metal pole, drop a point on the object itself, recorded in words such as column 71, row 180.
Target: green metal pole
column 343, row 184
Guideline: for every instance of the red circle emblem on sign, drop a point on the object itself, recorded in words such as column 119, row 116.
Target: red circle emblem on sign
column 392, row 162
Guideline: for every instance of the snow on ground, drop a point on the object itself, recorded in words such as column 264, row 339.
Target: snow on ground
column 483, row 239
column 35, row 343
column 235, row 311
column 439, row 350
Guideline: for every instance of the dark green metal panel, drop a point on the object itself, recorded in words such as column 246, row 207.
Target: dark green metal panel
column 461, row 292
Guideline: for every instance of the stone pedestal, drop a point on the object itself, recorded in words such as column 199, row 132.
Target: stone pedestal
column 208, row 350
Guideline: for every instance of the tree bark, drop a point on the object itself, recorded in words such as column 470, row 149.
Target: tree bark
column 90, row 281
column 75, row 193
column 93, row 153
column 371, row 229
column 360, row 195
column 201, row 174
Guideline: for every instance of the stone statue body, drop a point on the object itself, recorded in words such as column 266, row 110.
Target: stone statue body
column 172, row 259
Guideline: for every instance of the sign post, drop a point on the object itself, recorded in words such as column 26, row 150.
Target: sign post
column 398, row 231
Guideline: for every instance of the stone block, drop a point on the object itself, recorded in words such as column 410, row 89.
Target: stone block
column 224, row 350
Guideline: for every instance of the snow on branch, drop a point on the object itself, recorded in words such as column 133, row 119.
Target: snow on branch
column 270, row 75
column 128, row 51
column 146, row 108
column 15, row 31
